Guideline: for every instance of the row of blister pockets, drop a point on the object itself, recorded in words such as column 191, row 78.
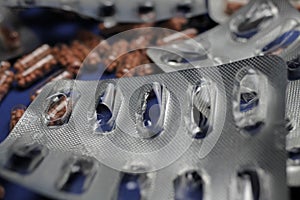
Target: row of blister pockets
column 219, row 134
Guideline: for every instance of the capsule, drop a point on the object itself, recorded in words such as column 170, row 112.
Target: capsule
column 36, row 71
column 28, row 60
column 60, row 108
column 6, row 79
column 16, row 114
column 60, row 75
column 185, row 34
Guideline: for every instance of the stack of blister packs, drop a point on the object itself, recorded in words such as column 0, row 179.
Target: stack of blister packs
column 221, row 123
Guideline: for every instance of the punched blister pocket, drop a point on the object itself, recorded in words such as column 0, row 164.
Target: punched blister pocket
column 260, row 28
column 114, row 11
column 191, row 133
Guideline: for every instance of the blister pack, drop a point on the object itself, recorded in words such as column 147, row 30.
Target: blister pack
column 293, row 138
column 113, row 11
column 221, row 10
column 292, row 116
column 207, row 133
column 260, row 28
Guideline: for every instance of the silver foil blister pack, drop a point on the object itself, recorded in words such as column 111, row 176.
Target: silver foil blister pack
column 260, row 28
column 292, row 116
column 112, row 11
column 293, row 137
column 218, row 132
column 221, row 10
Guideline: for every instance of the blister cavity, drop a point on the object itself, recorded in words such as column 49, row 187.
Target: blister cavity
column 284, row 40
column 293, row 166
column 250, row 183
column 133, row 186
column 25, row 158
column 259, row 16
column 77, row 174
column 105, row 109
column 189, row 186
column 199, row 121
column 150, row 117
column 294, row 69
column 59, row 108
column 250, row 100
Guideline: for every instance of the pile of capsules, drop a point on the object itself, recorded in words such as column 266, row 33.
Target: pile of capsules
column 235, row 116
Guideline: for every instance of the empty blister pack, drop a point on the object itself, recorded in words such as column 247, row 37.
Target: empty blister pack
column 293, row 138
column 260, row 28
column 293, row 120
column 113, row 11
column 221, row 10
column 210, row 133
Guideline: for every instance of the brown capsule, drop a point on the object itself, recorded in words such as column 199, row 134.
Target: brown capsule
column 33, row 76
column 19, row 114
column 32, row 58
column 28, row 79
column 22, row 82
column 4, row 65
column 6, row 86
column 10, row 79
column 175, row 23
column 39, row 73
column 32, row 97
column 2, row 90
column 47, row 67
column 16, row 114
